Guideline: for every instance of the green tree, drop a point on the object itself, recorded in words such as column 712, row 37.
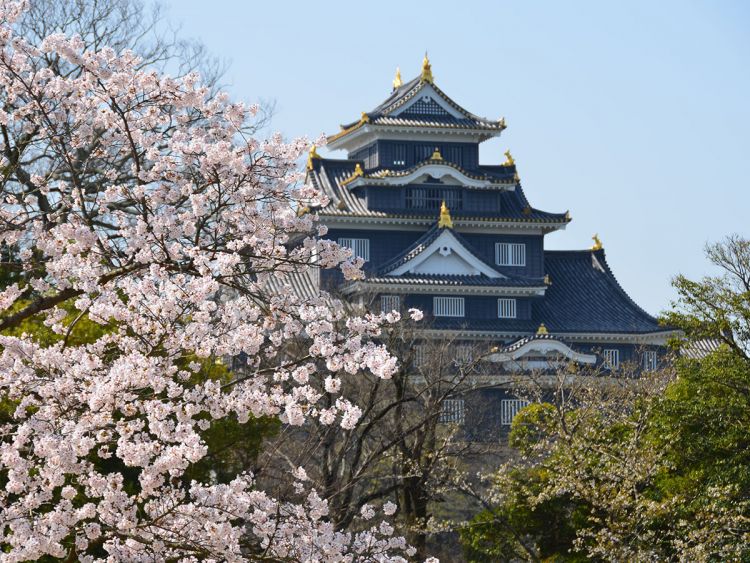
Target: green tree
column 651, row 469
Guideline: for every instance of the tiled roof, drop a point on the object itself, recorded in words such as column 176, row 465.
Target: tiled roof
column 584, row 296
column 426, row 240
column 304, row 284
column 381, row 115
column 513, row 346
column 699, row 349
column 328, row 175
column 446, row 279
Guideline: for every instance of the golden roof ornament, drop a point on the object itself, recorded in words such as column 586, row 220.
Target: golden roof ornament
column 426, row 69
column 542, row 330
column 356, row 174
column 597, row 243
column 312, row 156
column 445, row 217
column 397, row 81
column 509, row 160
column 436, row 155
column 364, row 118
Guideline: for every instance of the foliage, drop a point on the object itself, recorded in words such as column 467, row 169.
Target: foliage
column 650, row 469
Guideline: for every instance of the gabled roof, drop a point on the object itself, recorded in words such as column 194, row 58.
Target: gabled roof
column 424, row 242
column 584, row 296
column 405, row 107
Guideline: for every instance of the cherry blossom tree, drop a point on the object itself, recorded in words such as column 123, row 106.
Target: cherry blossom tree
column 142, row 203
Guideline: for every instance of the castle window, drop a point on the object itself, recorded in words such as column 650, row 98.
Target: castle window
column 506, row 308
column 463, row 354
column 509, row 409
column 510, row 254
column 420, row 355
column 648, row 360
column 432, row 198
column 448, row 306
column 389, row 303
column 452, row 411
column 399, row 155
column 611, row 359
column 359, row 247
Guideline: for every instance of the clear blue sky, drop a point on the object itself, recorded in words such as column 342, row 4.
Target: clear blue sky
column 634, row 115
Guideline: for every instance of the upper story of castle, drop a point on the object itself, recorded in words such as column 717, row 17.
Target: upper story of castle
column 414, row 151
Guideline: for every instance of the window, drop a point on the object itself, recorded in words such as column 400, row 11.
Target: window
column 611, row 359
column 452, row 411
column 448, row 306
column 648, row 360
column 359, row 246
column 389, row 303
column 510, row 254
column 399, row 155
column 509, row 409
column 463, row 354
column 432, row 198
column 420, row 355
column 506, row 308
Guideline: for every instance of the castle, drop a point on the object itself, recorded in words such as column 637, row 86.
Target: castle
column 458, row 239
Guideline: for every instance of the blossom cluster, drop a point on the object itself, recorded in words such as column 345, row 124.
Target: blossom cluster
column 160, row 219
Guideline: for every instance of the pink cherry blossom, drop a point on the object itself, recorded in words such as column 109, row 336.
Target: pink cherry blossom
column 169, row 241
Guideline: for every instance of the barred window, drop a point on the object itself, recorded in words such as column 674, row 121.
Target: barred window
column 432, row 198
column 448, row 306
column 506, row 308
column 648, row 360
column 509, row 409
column 399, row 155
column 510, row 254
column 420, row 355
column 359, row 246
column 452, row 411
column 390, row 303
column 463, row 354
column 611, row 359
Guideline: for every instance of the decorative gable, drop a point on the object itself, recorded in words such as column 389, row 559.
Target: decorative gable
column 542, row 351
column 446, row 255
column 427, row 102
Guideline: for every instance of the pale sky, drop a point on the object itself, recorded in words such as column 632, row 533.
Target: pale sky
column 634, row 116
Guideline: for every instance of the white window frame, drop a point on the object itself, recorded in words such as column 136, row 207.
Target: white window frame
column 510, row 254
column 463, row 354
column 611, row 358
column 448, row 306
column 390, row 303
column 649, row 360
column 452, row 411
column 509, row 409
column 507, row 308
column 359, row 246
